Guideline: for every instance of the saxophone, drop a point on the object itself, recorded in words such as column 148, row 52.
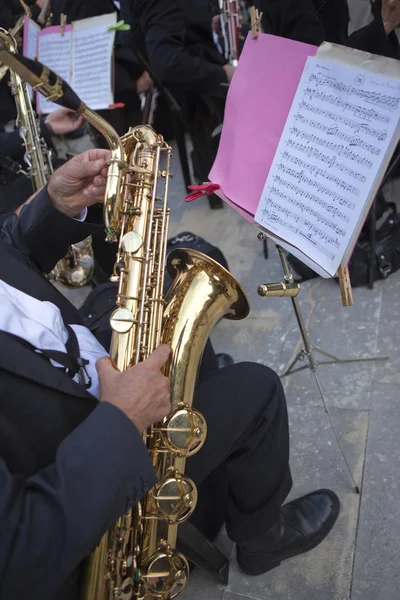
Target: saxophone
column 137, row 559
column 76, row 268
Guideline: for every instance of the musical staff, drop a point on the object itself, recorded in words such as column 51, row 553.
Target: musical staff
column 336, row 135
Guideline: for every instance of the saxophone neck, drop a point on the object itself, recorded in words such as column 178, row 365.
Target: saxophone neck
column 116, row 171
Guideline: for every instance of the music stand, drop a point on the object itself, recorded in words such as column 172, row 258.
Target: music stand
column 289, row 288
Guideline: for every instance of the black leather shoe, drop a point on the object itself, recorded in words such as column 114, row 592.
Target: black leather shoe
column 224, row 360
column 303, row 524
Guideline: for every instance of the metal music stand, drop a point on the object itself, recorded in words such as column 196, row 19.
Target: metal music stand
column 289, row 288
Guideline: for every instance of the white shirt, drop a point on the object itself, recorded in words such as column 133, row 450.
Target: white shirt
column 40, row 323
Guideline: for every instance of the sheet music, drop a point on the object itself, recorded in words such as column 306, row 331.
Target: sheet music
column 31, row 33
column 54, row 51
column 92, row 60
column 338, row 132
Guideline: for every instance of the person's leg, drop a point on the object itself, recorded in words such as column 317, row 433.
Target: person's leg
column 243, row 474
column 245, row 409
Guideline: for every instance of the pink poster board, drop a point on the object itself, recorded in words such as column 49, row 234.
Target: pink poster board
column 257, row 106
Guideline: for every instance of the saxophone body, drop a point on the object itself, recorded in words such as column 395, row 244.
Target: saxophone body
column 76, row 268
column 137, row 558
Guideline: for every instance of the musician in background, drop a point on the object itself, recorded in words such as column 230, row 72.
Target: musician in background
column 15, row 188
column 316, row 21
column 72, row 454
column 176, row 37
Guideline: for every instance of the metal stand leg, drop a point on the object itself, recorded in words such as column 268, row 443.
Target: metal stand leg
column 179, row 131
column 288, row 288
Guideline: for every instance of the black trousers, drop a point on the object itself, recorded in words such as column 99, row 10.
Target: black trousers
column 242, row 472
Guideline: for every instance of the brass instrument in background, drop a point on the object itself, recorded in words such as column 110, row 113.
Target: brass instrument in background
column 76, row 268
column 137, row 557
column 230, row 27
column 14, row 32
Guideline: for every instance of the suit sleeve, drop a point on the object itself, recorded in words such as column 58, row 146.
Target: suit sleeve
column 43, row 234
column 373, row 38
column 12, row 145
column 52, row 520
column 164, row 30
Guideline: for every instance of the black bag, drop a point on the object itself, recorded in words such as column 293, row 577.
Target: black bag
column 387, row 253
column 190, row 240
column 100, row 303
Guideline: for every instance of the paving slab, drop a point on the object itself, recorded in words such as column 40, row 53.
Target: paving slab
column 376, row 569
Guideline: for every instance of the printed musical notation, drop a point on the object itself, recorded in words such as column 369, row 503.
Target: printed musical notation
column 336, row 137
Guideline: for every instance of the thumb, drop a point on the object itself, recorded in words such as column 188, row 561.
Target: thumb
column 159, row 357
column 104, row 367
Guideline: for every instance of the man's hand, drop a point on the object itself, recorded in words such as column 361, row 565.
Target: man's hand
column 229, row 70
column 142, row 392
column 390, row 15
column 144, row 83
column 80, row 182
column 63, row 121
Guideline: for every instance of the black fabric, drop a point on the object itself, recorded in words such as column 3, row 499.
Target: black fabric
column 387, row 253
column 11, row 11
column 76, row 9
column 315, row 21
column 176, row 37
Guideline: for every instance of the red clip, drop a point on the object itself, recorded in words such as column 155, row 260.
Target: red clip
column 205, row 189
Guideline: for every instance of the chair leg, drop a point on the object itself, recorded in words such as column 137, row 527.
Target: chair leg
column 201, row 552
column 182, row 149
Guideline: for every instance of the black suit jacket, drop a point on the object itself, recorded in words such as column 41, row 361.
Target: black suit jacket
column 315, row 21
column 69, row 466
column 176, row 37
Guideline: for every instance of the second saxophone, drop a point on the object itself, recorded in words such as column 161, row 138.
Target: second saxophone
column 76, row 268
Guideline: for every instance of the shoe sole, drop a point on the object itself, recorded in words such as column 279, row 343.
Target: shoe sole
column 312, row 544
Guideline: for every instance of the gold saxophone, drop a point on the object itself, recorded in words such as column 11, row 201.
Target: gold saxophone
column 76, row 268
column 137, row 557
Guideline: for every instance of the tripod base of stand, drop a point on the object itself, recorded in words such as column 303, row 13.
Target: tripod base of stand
column 334, row 360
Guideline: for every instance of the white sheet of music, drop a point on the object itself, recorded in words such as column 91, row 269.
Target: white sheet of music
column 337, row 136
column 92, row 60
column 31, row 33
column 54, row 51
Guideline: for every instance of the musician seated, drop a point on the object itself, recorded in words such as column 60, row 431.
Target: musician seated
column 72, row 455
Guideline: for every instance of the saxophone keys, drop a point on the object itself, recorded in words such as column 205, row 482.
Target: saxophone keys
column 132, row 242
column 176, row 498
column 184, row 431
column 166, row 574
column 122, row 320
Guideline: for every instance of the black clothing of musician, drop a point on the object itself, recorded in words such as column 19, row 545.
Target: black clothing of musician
column 70, row 464
column 175, row 36
column 316, row 21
